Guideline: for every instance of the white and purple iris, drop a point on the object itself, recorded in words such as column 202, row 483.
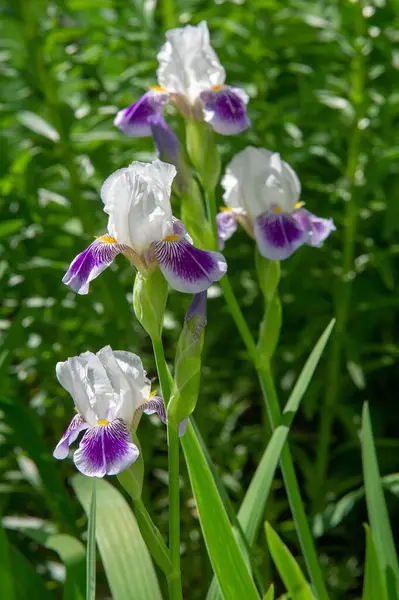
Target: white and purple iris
column 110, row 391
column 192, row 78
column 261, row 192
column 141, row 226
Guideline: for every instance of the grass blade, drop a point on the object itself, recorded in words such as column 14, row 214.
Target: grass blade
column 125, row 556
column 289, row 570
column 6, row 582
column 270, row 593
column 227, row 560
column 377, row 508
column 374, row 580
column 91, row 548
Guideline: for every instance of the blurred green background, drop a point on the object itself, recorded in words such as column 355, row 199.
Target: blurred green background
column 324, row 88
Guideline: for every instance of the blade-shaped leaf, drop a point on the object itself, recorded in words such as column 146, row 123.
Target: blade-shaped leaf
column 377, row 508
column 374, row 580
column 6, row 582
column 289, row 570
column 125, row 557
column 27, row 582
column 252, row 508
column 270, row 593
column 91, row 548
column 227, row 560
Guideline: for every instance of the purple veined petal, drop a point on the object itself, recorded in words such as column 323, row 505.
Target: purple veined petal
column 278, row 235
column 157, row 405
column 225, row 109
column 180, row 229
column 186, row 268
column 91, row 262
column 106, row 449
column 134, row 120
column 318, row 228
column 77, row 425
column 227, row 225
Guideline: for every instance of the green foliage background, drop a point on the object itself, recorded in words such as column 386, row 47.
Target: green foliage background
column 323, row 81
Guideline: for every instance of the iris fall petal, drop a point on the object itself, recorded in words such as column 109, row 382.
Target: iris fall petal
column 134, row 120
column 278, row 235
column 224, row 110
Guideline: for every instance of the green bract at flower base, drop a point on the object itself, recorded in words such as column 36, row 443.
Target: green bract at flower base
column 150, row 293
column 188, row 362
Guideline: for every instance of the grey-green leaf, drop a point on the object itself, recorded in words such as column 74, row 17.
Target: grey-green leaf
column 374, row 580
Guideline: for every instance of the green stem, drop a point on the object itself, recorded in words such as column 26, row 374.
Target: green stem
column 153, row 538
column 343, row 291
column 287, row 464
column 211, row 210
column 174, row 578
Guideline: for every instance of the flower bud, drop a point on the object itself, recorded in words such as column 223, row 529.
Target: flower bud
column 150, row 294
column 204, row 153
column 188, row 362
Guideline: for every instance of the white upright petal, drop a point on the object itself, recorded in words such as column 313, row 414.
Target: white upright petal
column 188, row 65
column 137, row 200
column 129, row 381
column 257, row 180
column 69, row 374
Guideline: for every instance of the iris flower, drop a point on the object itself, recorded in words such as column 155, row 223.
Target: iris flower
column 191, row 77
column 110, row 391
column 262, row 192
column 141, row 226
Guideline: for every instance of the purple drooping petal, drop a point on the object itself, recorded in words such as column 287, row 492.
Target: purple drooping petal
column 225, row 110
column 157, row 405
column 227, row 226
column 319, row 229
column 77, row 425
column 91, row 262
column 186, row 268
column 106, row 450
column 134, row 120
column 166, row 141
column 196, row 314
column 278, row 235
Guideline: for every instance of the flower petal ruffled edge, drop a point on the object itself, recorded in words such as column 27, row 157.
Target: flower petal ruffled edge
column 225, row 110
column 106, row 450
column 134, row 120
column 186, row 268
column 91, row 262
column 318, row 228
column 278, row 235
column 77, row 425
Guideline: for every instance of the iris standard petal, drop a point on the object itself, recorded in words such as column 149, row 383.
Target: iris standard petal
column 187, row 62
column 278, row 235
column 77, row 425
column 106, row 450
column 227, row 225
column 157, row 405
column 186, row 268
column 224, row 109
column 91, row 262
column 134, row 120
column 319, row 229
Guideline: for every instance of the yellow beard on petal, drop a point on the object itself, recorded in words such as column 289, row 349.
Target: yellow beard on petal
column 277, row 210
column 107, row 239
column 299, row 205
column 157, row 88
column 103, row 422
column 172, row 238
column 217, row 88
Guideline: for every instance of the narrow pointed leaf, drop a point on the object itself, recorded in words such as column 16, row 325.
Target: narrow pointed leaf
column 125, row 557
column 6, row 582
column 377, row 508
column 374, row 580
column 91, row 548
column 287, row 567
column 225, row 555
column 270, row 593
